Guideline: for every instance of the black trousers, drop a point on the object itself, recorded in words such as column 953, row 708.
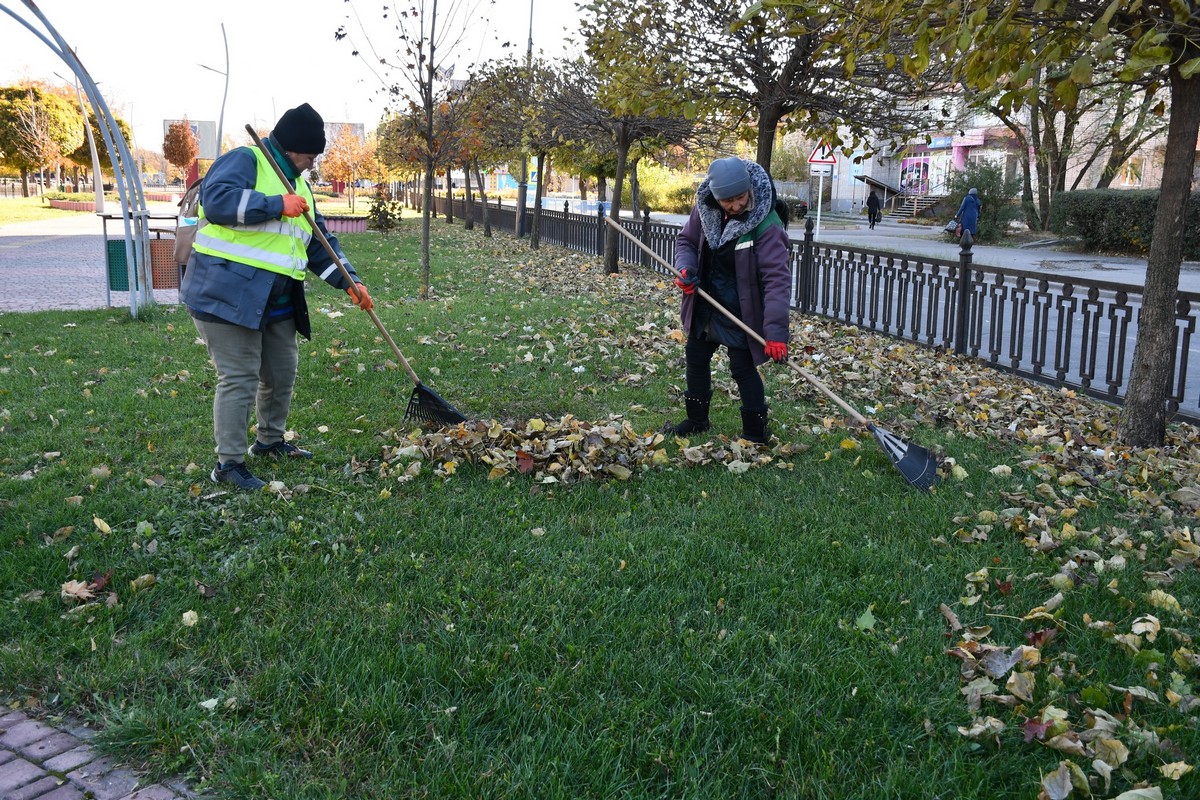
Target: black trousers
column 699, row 353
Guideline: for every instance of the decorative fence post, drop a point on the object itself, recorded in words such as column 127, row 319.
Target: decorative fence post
column 645, row 235
column 566, row 206
column 963, row 301
column 806, row 299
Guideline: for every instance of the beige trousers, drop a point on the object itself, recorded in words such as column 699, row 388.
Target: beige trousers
column 255, row 369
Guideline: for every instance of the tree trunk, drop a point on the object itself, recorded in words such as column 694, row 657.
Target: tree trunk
column 1144, row 415
column 483, row 200
column 582, row 188
column 449, row 197
column 469, row 222
column 768, row 123
column 635, row 188
column 535, row 231
column 426, row 213
column 611, row 242
column 601, row 188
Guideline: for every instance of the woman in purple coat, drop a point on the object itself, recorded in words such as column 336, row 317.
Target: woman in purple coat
column 735, row 247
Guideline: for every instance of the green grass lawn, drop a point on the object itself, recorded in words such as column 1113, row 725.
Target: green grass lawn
column 554, row 600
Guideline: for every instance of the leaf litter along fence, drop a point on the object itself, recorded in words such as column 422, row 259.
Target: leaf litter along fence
column 1076, row 333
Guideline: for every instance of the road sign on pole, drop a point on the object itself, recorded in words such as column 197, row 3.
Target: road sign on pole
column 820, row 164
column 822, row 154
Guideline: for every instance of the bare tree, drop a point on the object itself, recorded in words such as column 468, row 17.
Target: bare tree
column 428, row 34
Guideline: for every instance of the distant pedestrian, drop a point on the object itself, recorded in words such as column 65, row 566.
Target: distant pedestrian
column 872, row 209
column 968, row 212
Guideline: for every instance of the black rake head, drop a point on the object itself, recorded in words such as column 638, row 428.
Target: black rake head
column 917, row 465
column 426, row 406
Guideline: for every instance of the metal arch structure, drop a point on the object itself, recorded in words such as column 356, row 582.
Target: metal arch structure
column 126, row 177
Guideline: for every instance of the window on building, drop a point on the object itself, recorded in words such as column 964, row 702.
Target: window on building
column 1132, row 171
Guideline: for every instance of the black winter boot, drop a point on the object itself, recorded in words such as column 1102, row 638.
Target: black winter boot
column 697, row 416
column 754, row 426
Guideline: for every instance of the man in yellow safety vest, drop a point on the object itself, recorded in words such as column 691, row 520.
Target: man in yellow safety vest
column 244, row 287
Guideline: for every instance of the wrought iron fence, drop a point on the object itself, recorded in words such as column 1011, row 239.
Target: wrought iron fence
column 1073, row 332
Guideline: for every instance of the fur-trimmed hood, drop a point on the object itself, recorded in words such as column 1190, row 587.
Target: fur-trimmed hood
column 712, row 215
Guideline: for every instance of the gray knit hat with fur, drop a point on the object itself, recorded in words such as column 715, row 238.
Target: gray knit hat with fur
column 728, row 177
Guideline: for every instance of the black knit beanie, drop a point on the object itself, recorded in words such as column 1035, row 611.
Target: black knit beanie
column 301, row 130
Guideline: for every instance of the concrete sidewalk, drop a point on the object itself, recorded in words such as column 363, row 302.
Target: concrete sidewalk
column 928, row 241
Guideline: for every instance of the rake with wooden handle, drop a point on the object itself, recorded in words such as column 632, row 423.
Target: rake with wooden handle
column 424, row 404
column 915, row 463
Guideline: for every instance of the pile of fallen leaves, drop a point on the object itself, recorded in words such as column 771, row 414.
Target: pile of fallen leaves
column 565, row 450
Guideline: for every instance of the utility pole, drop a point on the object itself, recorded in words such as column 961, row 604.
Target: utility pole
column 221, row 119
column 523, row 185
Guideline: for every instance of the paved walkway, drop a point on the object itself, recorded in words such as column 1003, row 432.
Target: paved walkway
column 40, row 762
column 923, row 240
column 59, row 264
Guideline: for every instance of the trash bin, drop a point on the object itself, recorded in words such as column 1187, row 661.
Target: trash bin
column 118, row 266
column 164, row 270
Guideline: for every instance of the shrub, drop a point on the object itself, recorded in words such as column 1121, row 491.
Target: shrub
column 797, row 206
column 1119, row 221
column 666, row 190
column 383, row 213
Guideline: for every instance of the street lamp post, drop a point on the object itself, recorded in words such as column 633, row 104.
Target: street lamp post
column 523, row 185
column 221, row 119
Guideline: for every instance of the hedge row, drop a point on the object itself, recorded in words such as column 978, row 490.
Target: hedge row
column 1120, row 221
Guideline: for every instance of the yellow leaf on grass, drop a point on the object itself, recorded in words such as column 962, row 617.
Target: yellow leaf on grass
column 536, row 424
column 1111, row 751
column 849, row 444
column 1175, row 770
column 618, row 471
column 1161, row 599
column 101, row 525
column 142, row 582
column 1021, row 685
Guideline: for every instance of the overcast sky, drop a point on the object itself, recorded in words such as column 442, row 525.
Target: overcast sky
column 146, row 55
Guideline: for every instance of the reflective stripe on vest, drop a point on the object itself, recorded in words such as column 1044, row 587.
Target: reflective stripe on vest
column 276, row 245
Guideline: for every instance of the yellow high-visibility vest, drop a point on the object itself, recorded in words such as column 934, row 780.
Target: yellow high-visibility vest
column 277, row 245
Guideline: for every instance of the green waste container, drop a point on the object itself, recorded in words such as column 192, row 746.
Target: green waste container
column 118, row 266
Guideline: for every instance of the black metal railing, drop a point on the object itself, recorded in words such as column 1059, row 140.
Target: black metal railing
column 1070, row 332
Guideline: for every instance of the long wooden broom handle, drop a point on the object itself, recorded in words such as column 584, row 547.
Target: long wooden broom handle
column 849, row 409
column 333, row 254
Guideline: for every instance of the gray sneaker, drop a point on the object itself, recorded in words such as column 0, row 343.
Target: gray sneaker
column 237, row 474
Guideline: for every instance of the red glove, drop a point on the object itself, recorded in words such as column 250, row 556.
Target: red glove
column 776, row 351
column 294, row 205
column 358, row 293
column 686, row 283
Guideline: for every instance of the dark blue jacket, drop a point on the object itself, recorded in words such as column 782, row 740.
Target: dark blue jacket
column 238, row 293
